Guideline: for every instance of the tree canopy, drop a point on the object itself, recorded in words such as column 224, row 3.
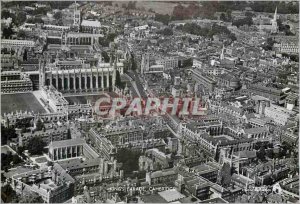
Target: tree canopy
column 165, row 19
column 166, row 32
column 32, row 198
column 36, row 145
column 35, row 20
column 57, row 15
column 7, row 32
column 195, row 29
column 119, row 82
column 261, row 153
column 225, row 175
column 7, row 159
column 7, row 133
column 130, row 160
column 105, row 56
column 39, row 125
column 245, row 21
column 8, row 195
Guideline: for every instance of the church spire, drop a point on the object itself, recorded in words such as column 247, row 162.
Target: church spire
column 222, row 53
column 275, row 14
column 274, row 22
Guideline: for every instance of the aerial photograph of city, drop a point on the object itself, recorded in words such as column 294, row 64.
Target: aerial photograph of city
column 149, row 102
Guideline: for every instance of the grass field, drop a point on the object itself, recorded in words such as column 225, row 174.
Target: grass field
column 20, row 101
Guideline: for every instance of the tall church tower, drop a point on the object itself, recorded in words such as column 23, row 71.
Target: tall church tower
column 76, row 16
column 274, row 23
column 222, row 53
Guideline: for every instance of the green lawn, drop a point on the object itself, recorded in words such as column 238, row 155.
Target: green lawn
column 20, row 101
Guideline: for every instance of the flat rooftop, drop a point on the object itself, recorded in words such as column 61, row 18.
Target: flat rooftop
column 67, row 143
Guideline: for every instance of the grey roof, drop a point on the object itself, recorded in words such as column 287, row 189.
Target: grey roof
column 67, row 143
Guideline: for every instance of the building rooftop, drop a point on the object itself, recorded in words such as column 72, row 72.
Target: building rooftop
column 214, row 200
column 255, row 130
column 91, row 23
column 245, row 154
column 67, row 143
column 164, row 172
column 171, row 195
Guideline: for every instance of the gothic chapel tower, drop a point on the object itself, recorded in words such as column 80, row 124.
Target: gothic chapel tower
column 41, row 73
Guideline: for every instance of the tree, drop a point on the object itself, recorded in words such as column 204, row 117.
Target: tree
column 36, row 145
column 119, row 83
column 133, row 63
column 8, row 195
column 57, row 15
column 39, row 125
column 223, row 17
column 166, row 31
column 25, row 55
column 124, row 6
column 270, row 153
column 7, row 32
column 195, row 29
column 69, row 134
column 5, row 14
column 35, row 20
column 20, row 18
column 111, row 37
column 32, row 198
column 249, row 14
column 187, row 62
column 165, row 19
column 130, row 160
column 268, row 45
column 105, row 56
column 232, row 37
column 228, row 13
column 7, row 133
column 8, row 159
column 225, row 175
column 261, row 153
column 21, row 34
column 245, row 21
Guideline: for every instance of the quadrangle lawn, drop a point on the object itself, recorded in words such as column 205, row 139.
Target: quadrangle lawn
column 20, row 101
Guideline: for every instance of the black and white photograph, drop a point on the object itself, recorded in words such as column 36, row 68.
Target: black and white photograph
column 149, row 101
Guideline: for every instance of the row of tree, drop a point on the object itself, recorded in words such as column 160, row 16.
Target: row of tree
column 9, row 159
column 8, row 195
column 195, row 29
column 257, row 6
column 209, row 8
column 167, row 31
column 18, row 18
column 244, row 21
